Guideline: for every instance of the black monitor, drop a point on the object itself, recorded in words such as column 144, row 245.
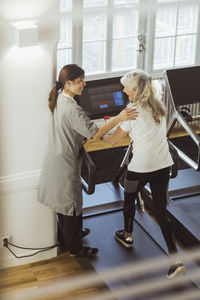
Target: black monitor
column 184, row 84
column 102, row 97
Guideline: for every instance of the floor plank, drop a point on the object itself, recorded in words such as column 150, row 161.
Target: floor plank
column 34, row 275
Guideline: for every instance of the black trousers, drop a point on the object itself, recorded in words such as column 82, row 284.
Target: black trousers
column 69, row 230
column 158, row 181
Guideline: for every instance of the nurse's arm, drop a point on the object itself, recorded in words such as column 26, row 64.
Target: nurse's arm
column 115, row 137
column 124, row 115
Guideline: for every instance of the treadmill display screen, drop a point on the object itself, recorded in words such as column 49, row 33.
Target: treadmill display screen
column 103, row 97
column 184, row 84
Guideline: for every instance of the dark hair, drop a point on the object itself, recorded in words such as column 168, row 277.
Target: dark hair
column 68, row 72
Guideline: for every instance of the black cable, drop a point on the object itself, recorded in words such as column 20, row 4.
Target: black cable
column 42, row 248
column 6, row 243
column 23, row 256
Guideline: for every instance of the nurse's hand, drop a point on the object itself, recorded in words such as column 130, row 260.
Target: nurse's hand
column 85, row 140
column 128, row 114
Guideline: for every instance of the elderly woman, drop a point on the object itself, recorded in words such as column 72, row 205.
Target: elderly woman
column 150, row 162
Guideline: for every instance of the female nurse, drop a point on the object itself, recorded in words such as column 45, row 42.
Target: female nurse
column 60, row 185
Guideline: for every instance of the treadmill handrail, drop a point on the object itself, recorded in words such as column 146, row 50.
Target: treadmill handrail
column 89, row 186
column 175, row 157
column 188, row 128
column 123, row 165
column 127, row 158
column 176, row 116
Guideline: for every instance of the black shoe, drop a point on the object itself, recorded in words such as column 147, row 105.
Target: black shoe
column 60, row 250
column 120, row 237
column 85, row 231
column 175, row 270
column 85, row 251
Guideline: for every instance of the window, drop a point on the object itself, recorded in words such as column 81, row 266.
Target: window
column 110, row 37
column 110, row 31
column 64, row 49
column 94, row 36
column 176, row 34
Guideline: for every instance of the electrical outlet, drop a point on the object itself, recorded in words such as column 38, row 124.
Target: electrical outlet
column 2, row 238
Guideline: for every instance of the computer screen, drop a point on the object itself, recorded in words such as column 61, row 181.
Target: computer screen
column 102, row 97
column 184, row 84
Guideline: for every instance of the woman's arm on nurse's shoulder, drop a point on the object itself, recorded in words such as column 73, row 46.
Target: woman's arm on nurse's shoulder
column 124, row 115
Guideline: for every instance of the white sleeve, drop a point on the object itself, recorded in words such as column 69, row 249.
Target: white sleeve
column 125, row 125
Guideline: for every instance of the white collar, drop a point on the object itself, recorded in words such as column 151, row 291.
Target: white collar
column 69, row 97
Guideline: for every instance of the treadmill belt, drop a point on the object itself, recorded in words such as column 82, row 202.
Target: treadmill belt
column 192, row 206
column 186, row 183
column 113, row 254
column 185, row 215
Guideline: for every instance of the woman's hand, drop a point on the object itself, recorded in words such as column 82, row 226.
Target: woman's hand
column 128, row 114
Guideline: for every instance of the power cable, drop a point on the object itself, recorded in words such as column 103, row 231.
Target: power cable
column 6, row 244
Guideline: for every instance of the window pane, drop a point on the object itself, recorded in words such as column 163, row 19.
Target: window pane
column 65, row 32
column 94, row 27
column 94, row 57
column 187, row 19
column 94, row 3
column 124, row 55
column 166, row 1
column 166, row 21
column 64, row 57
column 163, row 53
column 65, row 5
column 117, row 2
column 125, row 23
column 185, row 50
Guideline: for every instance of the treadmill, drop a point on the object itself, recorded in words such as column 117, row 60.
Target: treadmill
column 183, row 89
column 102, row 212
column 104, row 220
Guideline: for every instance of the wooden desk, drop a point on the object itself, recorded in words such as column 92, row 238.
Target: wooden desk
column 178, row 132
column 92, row 145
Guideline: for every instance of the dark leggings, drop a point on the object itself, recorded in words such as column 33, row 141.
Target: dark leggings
column 158, row 181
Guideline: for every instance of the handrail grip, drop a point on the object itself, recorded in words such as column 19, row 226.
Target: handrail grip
column 89, row 186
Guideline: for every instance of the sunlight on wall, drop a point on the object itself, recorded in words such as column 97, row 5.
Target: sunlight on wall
column 24, row 53
column 23, row 9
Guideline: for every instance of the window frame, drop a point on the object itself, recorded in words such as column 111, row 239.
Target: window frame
column 147, row 10
column 152, row 30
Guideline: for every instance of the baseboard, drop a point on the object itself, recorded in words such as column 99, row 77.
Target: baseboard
column 11, row 261
column 19, row 182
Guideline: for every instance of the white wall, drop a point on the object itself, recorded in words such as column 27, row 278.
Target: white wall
column 26, row 77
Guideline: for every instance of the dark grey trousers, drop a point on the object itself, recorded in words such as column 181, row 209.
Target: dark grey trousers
column 69, row 232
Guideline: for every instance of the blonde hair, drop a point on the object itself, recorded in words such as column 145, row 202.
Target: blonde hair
column 145, row 93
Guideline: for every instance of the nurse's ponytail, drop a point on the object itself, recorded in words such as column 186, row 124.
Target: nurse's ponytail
column 68, row 72
column 53, row 95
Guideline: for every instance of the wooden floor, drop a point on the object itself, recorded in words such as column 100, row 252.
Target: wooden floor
column 35, row 275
